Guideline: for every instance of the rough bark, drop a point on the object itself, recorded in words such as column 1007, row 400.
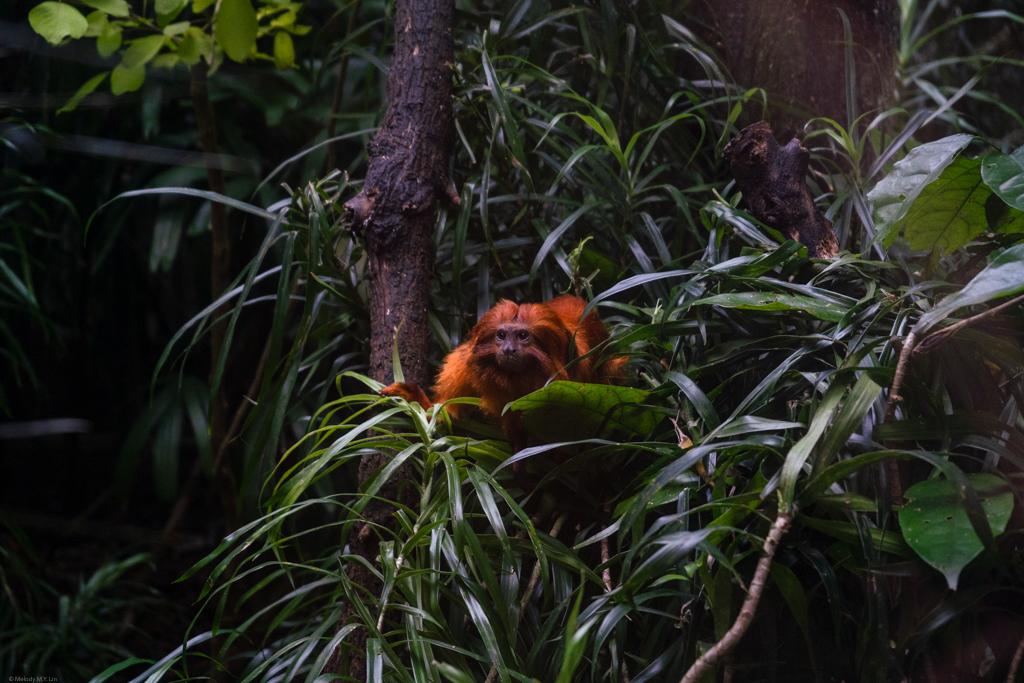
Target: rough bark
column 773, row 181
column 795, row 50
column 395, row 213
column 220, row 260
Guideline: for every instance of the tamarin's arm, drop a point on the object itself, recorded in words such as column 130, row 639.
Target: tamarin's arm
column 455, row 381
column 409, row 391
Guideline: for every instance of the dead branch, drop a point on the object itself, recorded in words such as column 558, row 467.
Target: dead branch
column 707, row 661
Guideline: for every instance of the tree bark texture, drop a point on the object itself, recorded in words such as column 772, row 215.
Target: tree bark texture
column 407, row 173
column 795, row 50
column 220, row 259
column 773, row 181
column 395, row 213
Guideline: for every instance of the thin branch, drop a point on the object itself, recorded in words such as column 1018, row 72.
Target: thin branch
column 339, row 87
column 891, row 466
column 710, row 659
column 1015, row 664
column 940, row 337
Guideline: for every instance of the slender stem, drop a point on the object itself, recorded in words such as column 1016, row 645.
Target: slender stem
column 339, row 87
column 1015, row 664
column 891, row 466
column 707, row 661
column 940, row 337
column 220, row 261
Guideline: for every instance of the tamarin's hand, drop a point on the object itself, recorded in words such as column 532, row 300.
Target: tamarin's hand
column 512, row 352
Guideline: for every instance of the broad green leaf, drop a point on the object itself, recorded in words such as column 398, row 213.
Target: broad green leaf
column 236, row 28
column 200, row 5
column 194, row 44
column 117, row 8
column 109, row 41
column 98, row 22
column 894, row 194
column 141, row 51
column 767, row 301
column 1002, row 217
column 176, row 29
column 124, row 80
column 1004, row 276
column 564, row 411
column 950, row 211
column 168, row 6
column 86, row 88
column 165, row 61
column 936, row 526
column 56, row 21
column 1004, row 173
column 284, row 50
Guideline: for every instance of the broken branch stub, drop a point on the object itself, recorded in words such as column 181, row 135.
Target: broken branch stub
column 773, row 181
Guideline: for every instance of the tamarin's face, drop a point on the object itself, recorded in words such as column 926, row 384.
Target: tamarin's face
column 513, row 343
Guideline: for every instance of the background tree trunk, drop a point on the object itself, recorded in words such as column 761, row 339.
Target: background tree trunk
column 396, row 212
column 795, row 50
column 220, row 259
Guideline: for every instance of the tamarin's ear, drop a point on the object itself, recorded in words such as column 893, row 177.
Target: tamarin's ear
column 409, row 391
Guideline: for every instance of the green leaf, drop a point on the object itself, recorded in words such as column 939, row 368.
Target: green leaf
column 937, row 528
column 1004, row 173
column 124, row 80
column 284, row 50
column 1004, row 276
column 802, row 449
column 200, row 5
column 109, row 41
column 793, row 592
column 894, row 194
column 55, row 21
column 767, row 301
column 98, row 22
column 86, row 88
column 117, row 8
column 565, row 411
column 887, row 541
column 950, row 211
column 236, row 28
column 141, row 51
column 168, row 6
column 194, row 44
column 176, row 29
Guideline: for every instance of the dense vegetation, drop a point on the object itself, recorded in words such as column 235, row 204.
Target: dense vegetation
column 588, row 160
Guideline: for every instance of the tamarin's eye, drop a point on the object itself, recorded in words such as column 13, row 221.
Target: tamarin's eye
column 500, row 335
column 524, row 336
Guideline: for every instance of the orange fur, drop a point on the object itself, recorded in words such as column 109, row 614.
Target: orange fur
column 500, row 370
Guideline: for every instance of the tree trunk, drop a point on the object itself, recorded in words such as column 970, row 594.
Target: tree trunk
column 396, row 212
column 220, row 259
column 774, row 186
column 795, row 50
